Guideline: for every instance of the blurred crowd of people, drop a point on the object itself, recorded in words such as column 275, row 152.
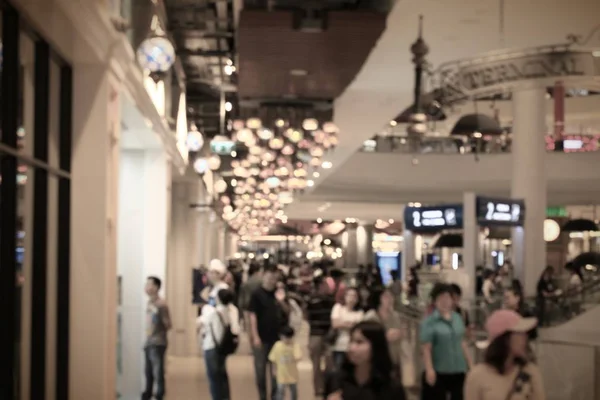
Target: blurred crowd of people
column 357, row 333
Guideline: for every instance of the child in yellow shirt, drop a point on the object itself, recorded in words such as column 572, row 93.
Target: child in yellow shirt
column 285, row 354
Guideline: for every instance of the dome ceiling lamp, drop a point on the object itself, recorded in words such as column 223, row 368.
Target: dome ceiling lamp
column 156, row 54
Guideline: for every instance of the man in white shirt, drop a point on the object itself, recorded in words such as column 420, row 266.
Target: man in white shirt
column 216, row 273
column 212, row 324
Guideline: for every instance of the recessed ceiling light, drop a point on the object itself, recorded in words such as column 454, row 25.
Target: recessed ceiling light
column 316, row 174
column 327, row 165
column 393, row 123
column 319, row 220
column 310, row 183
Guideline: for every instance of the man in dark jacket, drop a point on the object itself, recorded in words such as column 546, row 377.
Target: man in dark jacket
column 318, row 314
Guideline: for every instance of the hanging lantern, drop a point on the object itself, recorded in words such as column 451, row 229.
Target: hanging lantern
column 330, row 127
column 276, row 143
column 220, row 186
column 244, row 135
column 264, row 134
column 287, row 150
column 214, row 162
column 201, row 166
column 273, row 182
column 310, row 124
column 156, row 53
column 254, row 123
column 294, row 135
column 316, row 152
column 195, row 140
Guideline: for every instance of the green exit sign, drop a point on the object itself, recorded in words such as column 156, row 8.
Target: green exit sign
column 556, row 212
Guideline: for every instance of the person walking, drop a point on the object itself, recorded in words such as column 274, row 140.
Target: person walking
column 318, row 312
column 445, row 352
column 343, row 318
column 381, row 310
column 158, row 323
column 285, row 355
column 506, row 373
column 214, row 323
column 366, row 373
column 268, row 314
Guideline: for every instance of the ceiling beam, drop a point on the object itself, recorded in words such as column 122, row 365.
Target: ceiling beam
column 197, row 33
column 204, row 53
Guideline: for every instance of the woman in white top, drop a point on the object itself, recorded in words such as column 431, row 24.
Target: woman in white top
column 343, row 318
column 212, row 323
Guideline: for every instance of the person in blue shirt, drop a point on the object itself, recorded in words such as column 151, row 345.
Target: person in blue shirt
column 445, row 353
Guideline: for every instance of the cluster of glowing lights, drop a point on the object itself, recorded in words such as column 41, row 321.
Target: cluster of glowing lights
column 279, row 160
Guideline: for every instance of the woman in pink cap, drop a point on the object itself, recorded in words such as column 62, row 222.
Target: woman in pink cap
column 506, row 373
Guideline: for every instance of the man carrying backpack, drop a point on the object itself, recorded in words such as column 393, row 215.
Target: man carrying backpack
column 220, row 328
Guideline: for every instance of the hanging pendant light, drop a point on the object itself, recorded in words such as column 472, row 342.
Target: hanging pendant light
column 156, row 54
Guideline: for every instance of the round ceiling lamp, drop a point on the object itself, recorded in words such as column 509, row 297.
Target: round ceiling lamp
column 195, row 140
column 156, row 54
column 214, row 162
column 201, row 165
column 551, row 230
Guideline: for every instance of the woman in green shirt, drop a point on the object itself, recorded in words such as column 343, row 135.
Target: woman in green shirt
column 445, row 352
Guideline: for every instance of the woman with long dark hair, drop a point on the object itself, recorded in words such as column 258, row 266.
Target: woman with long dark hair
column 366, row 374
column 507, row 373
column 381, row 309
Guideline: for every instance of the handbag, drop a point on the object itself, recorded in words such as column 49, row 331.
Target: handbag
column 521, row 378
column 332, row 336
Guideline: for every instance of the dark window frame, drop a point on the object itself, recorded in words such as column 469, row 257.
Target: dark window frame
column 10, row 156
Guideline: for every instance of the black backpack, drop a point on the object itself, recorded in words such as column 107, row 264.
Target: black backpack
column 229, row 341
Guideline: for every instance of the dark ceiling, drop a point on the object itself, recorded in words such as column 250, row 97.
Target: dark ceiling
column 278, row 61
column 273, row 51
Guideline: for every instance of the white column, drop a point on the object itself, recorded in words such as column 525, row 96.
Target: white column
column 529, row 183
column 350, row 247
column 471, row 242
column 408, row 252
column 142, row 251
column 221, row 240
column 93, row 325
column 364, row 243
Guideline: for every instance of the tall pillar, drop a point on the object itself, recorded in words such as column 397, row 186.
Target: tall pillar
column 471, row 242
column 350, row 247
column 364, row 243
column 142, row 232
column 185, row 253
column 93, row 319
column 529, row 183
column 408, row 252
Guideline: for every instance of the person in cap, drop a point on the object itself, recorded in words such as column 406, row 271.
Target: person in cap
column 216, row 274
column 506, row 373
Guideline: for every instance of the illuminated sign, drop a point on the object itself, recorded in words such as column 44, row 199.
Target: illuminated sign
column 500, row 211
column 433, row 218
column 222, row 148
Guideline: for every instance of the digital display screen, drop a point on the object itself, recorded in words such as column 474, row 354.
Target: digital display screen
column 509, row 212
column 433, row 218
column 388, row 263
